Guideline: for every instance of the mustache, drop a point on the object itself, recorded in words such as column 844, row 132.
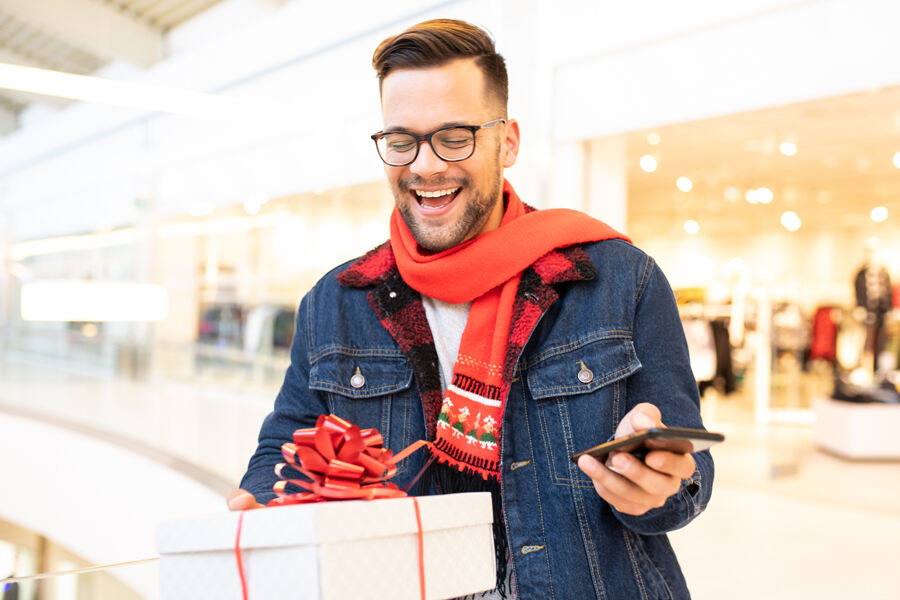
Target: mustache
column 415, row 181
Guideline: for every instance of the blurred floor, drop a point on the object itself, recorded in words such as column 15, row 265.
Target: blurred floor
column 786, row 520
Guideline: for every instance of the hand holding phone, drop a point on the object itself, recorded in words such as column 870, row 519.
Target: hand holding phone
column 680, row 440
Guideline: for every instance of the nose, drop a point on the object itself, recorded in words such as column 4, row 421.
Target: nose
column 427, row 162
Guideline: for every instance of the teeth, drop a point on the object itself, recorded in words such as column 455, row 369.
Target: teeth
column 436, row 194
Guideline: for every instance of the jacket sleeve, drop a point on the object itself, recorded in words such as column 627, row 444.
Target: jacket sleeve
column 667, row 381
column 296, row 406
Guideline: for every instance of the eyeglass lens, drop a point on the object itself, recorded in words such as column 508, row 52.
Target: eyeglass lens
column 455, row 143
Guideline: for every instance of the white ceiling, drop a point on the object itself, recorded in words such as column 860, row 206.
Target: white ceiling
column 842, row 169
column 82, row 36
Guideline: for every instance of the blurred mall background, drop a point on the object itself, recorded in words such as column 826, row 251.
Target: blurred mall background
column 161, row 217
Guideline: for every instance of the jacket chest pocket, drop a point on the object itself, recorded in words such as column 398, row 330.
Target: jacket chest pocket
column 371, row 390
column 578, row 392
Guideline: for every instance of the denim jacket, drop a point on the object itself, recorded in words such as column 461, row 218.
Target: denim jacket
column 618, row 318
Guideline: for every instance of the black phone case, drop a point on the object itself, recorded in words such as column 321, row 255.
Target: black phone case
column 672, row 439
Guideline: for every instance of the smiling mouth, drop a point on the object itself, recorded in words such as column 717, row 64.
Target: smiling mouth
column 436, row 199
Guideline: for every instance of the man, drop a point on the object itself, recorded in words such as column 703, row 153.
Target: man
column 511, row 338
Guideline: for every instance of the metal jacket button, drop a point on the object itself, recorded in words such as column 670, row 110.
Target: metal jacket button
column 358, row 380
column 585, row 375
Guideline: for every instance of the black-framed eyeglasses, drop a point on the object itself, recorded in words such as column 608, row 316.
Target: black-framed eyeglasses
column 452, row 143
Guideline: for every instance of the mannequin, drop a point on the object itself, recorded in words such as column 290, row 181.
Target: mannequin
column 873, row 293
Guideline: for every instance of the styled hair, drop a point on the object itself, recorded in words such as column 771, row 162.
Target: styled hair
column 439, row 41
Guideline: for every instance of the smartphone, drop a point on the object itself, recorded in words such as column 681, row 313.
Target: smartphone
column 672, row 439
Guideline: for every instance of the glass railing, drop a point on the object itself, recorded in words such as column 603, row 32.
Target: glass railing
column 181, row 416
column 134, row 580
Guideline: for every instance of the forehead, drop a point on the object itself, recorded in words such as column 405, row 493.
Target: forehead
column 423, row 99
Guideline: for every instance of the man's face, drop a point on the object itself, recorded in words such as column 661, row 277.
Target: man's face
column 464, row 199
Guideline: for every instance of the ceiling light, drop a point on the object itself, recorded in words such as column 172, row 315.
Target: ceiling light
column 142, row 96
column 791, row 220
column 691, row 227
column 732, row 194
column 653, row 139
column 751, row 197
column 648, row 163
column 787, row 148
column 879, row 214
column 764, row 195
column 897, row 160
column 73, row 243
column 684, row 184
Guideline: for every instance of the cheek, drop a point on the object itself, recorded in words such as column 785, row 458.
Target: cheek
column 393, row 175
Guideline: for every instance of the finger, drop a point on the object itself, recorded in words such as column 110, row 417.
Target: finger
column 658, row 485
column 646, row 415
column 623, row 505
column 677, row 465
column 611, row 485
column 242, row 500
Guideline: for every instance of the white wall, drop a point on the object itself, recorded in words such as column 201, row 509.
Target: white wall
column 655, row 63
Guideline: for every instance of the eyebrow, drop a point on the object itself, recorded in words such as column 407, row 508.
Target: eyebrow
column 444, row 124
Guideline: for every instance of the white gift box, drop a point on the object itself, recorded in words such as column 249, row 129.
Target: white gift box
column 333, row 551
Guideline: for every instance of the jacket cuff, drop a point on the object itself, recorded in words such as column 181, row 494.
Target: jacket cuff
column 679, row 510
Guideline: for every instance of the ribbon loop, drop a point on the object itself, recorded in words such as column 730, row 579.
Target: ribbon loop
column 342, row 462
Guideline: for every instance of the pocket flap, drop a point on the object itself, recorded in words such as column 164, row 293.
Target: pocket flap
column 360, row 374
column 583, row 368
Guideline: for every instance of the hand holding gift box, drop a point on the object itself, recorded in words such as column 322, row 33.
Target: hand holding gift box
column 322, row 550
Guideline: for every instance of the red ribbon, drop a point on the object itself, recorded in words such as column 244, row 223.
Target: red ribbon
column 240, row 559
column 343, row 462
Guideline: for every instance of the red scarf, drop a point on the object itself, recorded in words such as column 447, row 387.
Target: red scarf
column 485, row 271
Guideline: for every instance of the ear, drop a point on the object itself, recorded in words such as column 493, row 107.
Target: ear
column 510, row 149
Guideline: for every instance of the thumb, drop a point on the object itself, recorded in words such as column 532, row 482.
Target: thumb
column 242, row 500
column 642, row 416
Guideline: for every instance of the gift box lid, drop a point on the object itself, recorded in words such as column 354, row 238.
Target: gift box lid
column 323, row 522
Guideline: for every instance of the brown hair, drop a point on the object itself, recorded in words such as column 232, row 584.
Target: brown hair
column 439, row 41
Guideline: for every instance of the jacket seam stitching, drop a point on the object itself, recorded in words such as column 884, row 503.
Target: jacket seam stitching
column 579, row 505
column 350, row 393
column 645, row 279
column 634, row 565
column 355, row 352
column 538, row 498
column 548, row 444
column 310, row 342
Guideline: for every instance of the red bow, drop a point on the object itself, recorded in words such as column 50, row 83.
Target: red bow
column 342, row 461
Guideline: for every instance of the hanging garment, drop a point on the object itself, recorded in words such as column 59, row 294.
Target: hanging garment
column 725, row 379
column 824, row 334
